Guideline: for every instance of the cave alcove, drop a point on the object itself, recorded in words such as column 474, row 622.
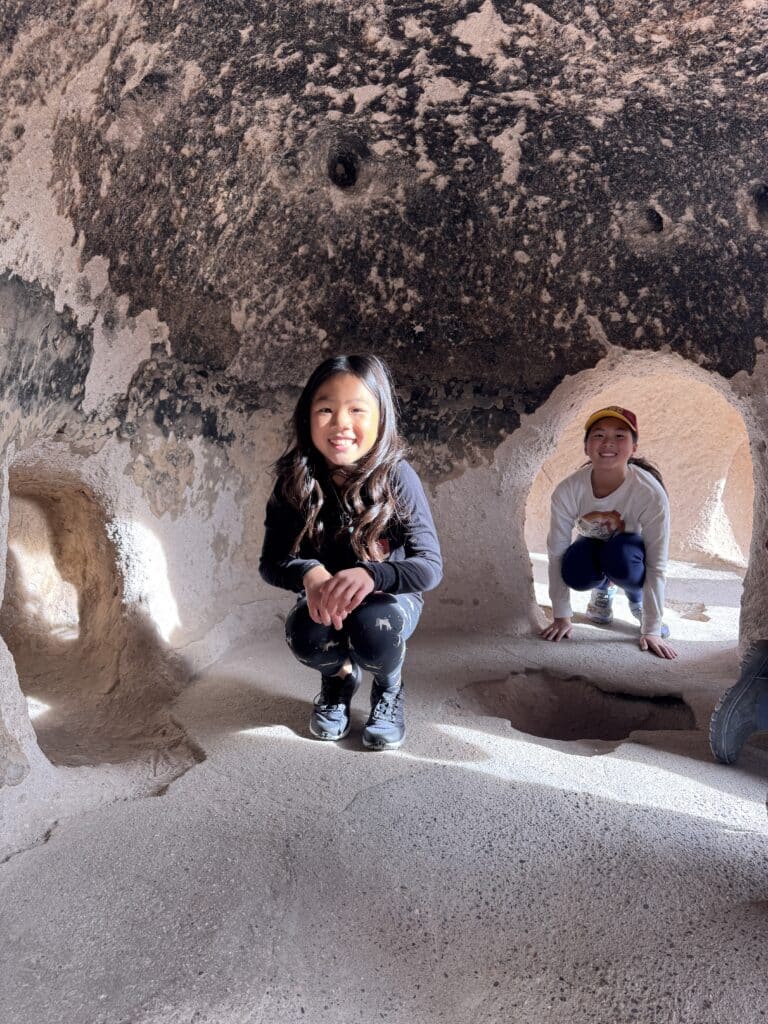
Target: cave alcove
column 96, row 674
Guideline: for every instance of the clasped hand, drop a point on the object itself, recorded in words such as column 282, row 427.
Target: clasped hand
column 330, row 598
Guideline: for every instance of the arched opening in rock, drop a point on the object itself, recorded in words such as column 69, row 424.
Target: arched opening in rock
column 96, row 675
column 61, row 610
column 699, row 441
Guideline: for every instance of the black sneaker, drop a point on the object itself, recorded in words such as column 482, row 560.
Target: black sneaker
column 743, row 709
column 385, row 728
column 330, row 716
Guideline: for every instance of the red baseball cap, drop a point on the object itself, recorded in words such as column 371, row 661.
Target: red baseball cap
column 615, row 412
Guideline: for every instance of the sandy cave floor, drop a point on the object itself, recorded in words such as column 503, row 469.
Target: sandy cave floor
column 480, row 874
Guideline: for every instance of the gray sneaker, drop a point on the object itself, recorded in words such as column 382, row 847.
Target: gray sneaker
column 600, row 607
column 385, row 728
column 743, row 709
column 330, row 715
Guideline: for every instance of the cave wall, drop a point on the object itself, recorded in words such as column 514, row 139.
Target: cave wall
column 510, row 202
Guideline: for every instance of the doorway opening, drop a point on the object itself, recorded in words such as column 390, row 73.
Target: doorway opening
column 699, row 442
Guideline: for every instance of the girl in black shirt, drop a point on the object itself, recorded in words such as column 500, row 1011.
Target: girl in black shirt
column 348, row 526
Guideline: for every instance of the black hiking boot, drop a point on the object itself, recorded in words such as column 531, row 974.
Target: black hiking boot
column 743, row 709
column 385, row 728
column 330, row 716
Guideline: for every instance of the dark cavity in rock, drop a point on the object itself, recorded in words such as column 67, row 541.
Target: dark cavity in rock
column 152, row 85
column 572, row 708
column 654, row 221
column 344, row 162
column 760, row 198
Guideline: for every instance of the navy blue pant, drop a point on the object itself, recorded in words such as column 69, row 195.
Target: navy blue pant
column 373, row 636
column 595, row 563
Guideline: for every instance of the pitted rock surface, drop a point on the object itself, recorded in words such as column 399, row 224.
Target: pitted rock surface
column 487, row 194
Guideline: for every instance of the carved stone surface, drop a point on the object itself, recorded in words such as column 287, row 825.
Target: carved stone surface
column 488, row 195
column 515, row 204
column 526, row 209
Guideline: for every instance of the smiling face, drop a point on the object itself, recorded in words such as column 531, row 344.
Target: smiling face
column 609, row 444
column 344, row 420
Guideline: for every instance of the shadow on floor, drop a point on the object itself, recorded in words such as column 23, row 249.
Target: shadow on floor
column 223, row 703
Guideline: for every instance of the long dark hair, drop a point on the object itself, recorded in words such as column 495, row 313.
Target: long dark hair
column 633, row 460
column 367, row 494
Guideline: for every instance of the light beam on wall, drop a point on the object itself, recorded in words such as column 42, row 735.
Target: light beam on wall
column 145, row 571
column 36, row 708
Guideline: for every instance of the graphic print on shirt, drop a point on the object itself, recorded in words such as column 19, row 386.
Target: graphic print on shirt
column 600, row 525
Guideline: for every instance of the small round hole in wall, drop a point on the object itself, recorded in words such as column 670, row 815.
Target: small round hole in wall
column 345, row 160
column 654, row 222
column 343, row 168
column 760, row 199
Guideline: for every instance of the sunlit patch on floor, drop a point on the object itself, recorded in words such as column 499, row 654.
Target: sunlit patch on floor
column 694, row 610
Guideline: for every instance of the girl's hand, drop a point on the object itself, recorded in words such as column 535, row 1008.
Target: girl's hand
column 342, row 594
column 560, row 629
column 657, row 646
column 313, row 583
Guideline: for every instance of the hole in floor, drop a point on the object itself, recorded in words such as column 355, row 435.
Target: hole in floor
column 98, row 681
column 573, row 708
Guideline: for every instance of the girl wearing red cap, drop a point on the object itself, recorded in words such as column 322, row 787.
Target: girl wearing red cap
column 618, row 506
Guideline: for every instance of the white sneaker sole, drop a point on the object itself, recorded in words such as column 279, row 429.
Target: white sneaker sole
column 330, row 739
column 599, row 620
column 382, row 745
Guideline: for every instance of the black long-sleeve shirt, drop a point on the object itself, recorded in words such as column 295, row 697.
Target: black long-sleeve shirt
column 414, row 562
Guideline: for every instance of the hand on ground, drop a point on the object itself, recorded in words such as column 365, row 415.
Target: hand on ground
column 560, row 629
column 657, row 646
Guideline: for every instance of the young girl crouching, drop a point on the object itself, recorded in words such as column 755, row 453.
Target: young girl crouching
column 619, row 507
column 348, row 527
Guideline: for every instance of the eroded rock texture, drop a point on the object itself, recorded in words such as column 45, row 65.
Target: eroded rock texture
column 486, row 194
column 197, row 202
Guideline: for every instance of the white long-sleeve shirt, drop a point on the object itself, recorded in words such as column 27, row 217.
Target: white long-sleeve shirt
column 642, row 504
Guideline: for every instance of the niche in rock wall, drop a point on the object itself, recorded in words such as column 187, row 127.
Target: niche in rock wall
column 61, row 610
column 699, row 442
column 96, row 674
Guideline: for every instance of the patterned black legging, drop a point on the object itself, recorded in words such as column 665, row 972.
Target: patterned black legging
column 373, row 636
